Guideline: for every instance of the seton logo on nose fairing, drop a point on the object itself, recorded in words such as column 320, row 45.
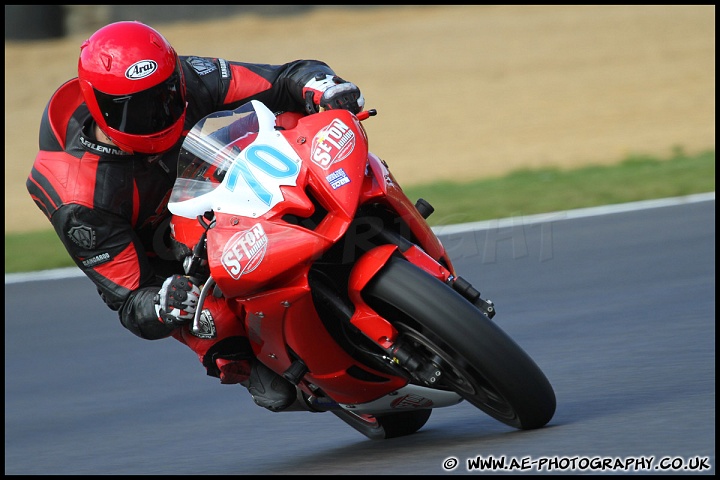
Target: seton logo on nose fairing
column 332, row 144
column 141, row 69
column 244, row 251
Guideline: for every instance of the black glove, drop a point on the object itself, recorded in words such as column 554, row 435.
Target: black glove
column 330, row 92
column 176, row 301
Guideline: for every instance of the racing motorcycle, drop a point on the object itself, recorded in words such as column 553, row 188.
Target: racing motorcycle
column 341, row 284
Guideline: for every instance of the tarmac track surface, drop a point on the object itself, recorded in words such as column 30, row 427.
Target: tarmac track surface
column 617, row 309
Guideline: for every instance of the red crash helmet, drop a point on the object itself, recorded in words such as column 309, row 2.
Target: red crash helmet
column 133, row 85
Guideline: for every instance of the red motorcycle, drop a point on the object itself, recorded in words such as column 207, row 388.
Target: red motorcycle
column 341, row 284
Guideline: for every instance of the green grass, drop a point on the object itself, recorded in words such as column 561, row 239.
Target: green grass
column 524, row 192
column 527, row 192
column 28, row 252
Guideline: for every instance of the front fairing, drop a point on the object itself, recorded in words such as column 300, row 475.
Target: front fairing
column 279, row 196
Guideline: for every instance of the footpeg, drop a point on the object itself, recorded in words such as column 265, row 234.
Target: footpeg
column 295, row 372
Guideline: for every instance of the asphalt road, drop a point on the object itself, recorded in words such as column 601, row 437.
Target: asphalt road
column 617, row 309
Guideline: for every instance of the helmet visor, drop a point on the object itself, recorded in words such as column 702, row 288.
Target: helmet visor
column 149, row 111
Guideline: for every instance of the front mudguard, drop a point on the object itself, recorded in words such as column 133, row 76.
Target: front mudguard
column 375, row 327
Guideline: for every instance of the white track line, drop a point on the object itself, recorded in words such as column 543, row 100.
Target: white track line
column 446, row 229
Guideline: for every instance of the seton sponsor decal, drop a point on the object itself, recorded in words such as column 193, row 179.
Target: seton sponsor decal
column 244, row 251
column 332, row 144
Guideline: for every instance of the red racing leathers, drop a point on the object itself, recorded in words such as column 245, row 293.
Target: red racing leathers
column 109, row 207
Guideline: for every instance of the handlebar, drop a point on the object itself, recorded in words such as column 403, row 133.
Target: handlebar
column 365, row 114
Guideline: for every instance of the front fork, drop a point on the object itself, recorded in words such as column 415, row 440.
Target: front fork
column 381, row 331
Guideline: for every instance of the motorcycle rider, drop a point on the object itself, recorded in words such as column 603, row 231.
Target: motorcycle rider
column 108, row 150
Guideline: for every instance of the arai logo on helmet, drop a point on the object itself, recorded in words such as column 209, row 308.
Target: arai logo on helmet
column 141, row 69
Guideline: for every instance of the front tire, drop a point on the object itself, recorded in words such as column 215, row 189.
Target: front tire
column 477, row 359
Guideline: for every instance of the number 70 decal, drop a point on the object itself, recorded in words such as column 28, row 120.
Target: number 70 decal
column 263, row 160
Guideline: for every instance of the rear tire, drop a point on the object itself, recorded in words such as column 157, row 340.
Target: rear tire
column 391, row 425
column 477, row 359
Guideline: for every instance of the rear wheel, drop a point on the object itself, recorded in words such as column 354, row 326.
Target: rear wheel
column 381, row 427
column 476, row 359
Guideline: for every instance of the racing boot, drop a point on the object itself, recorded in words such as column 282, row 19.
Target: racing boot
column 268, row 389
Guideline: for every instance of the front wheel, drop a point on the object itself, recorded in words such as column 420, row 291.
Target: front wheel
column 476, row 358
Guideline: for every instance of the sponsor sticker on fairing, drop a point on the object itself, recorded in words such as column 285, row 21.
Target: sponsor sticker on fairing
column 244, row 251
column 338, row 178
column 332, row 144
